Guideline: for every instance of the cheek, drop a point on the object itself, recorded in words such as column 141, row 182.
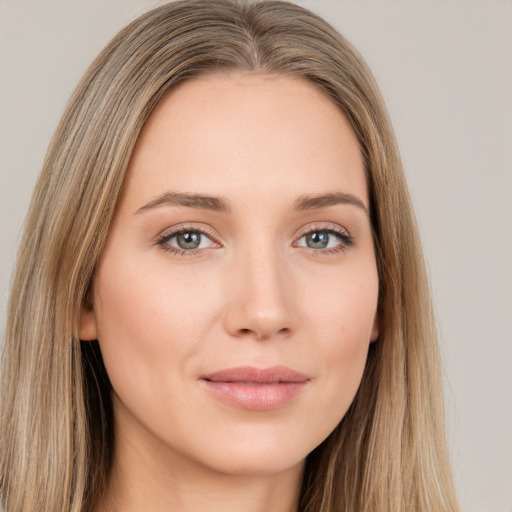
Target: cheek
column 145, row 301
column 147, row 320
column 340, row 316
column 341, row 306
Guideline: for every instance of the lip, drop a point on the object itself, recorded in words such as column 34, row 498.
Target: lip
column 257, row 389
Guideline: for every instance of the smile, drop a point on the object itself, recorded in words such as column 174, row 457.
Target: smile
column 254, row 388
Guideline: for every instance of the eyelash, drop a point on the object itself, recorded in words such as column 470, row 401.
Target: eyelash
column 346, row 241
column 163, row 240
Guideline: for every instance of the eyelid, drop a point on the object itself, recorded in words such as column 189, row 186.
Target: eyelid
column 185, row 227
column 323, row 226
column 169, row 233
column 345, row 238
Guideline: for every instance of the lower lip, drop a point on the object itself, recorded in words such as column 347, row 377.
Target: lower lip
column 256, row 397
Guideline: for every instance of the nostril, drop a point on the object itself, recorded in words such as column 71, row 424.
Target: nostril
column 261, row 335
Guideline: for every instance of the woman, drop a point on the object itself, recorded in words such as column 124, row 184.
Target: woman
column 220, row 301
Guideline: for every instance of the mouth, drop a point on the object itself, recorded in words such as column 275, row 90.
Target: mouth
column 257, row 389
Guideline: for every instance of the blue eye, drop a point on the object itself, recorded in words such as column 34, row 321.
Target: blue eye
column 186, row 241
column 325, row 239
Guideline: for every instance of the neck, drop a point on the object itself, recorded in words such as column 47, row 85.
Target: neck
column 146, row 476
column 226, row 494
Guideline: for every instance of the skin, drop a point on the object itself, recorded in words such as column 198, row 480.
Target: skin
column 255, row 293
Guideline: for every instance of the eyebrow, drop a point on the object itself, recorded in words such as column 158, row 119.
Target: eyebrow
column 219, row 204
column 314, row 202
column 198, row 201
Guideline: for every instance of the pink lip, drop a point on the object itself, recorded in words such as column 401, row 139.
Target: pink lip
column 258, row 389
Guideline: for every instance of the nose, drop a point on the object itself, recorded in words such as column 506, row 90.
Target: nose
column 260, row 302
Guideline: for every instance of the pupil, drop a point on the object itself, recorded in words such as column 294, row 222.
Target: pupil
column 317, row 240
column 189, row 240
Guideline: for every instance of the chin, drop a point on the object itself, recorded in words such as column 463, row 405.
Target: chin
column 258, row 455
column 256, row 464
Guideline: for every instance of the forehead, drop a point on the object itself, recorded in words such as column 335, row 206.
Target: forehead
column 220, row 134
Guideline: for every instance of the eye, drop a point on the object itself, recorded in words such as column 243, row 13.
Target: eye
column 186, row 241
column 325, row 239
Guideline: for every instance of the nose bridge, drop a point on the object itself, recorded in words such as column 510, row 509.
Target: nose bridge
column 264, row 272
column 260, row 303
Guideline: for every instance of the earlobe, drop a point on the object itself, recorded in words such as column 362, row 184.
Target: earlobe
column 88, row 327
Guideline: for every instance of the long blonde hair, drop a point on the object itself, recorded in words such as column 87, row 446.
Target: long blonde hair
column 389, row 451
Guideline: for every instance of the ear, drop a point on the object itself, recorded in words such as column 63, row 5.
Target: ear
column 88, row 326
column 375, row 329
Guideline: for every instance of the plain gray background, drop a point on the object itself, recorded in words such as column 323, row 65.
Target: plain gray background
column 445, row 70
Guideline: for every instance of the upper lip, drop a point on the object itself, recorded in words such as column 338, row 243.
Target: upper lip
column 272, row 375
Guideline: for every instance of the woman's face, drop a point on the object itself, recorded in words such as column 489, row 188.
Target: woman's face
column 235, row 299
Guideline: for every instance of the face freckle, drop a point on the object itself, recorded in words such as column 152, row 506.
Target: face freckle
column 223, row 298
